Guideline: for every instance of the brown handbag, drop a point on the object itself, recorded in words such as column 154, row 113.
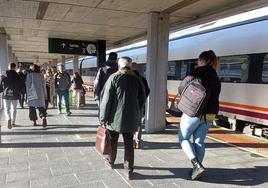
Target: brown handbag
column 103, row 141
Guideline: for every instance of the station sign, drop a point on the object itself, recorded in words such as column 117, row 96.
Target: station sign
column 74, row 47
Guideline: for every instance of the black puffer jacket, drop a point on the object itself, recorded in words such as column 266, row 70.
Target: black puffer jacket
column 102, row 76
column 12, row 80
column 210, row 80
column 77, row 82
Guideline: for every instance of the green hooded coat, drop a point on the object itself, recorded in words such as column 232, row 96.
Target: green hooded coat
column 122, row 99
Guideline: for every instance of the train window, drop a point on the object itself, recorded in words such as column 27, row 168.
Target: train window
column 142, row 69
column 174, row 70
column 92, row 71
column 171, row 72
column 191, row 64
column 84, row 72
column 178, row 70
column 265, row 69
column 233, row 68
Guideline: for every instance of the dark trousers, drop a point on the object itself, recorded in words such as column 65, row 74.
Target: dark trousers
column 22, row 99
column 48, row 96
column 46, row 103
column 129, row 150
column 32, row 113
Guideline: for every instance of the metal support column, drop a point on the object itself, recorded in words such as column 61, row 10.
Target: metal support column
column 54, row 63
column 101, row 52
column 3, row 54
column 10, row 57
column 75, row 64
column 14, row 59
column 157, row 58
column 63, row 60
column 4, row 61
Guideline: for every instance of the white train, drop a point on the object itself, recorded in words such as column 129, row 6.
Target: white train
column 242, row 49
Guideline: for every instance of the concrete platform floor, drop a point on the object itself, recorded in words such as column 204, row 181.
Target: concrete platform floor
column 63, row 155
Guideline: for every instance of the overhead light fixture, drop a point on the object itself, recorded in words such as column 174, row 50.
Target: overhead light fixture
column 42, row 9
column 208, row 24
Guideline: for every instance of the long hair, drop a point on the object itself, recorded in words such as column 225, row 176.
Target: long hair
column 210, row 58
column 76, row 74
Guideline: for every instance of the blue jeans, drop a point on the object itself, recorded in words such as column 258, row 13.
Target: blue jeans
column 198, row 128
column 65, row 95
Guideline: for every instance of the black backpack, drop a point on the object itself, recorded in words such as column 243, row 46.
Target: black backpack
column 8, row 87
column 194, row 98
column 9, row 92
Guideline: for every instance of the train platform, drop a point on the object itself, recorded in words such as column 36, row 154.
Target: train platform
column 245, row 142
column 63, row 155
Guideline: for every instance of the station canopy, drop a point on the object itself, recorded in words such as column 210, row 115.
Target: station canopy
column 29, row 23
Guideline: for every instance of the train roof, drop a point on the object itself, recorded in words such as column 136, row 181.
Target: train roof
column 138, row 54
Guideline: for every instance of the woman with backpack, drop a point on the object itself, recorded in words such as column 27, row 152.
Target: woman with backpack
column 197, row 126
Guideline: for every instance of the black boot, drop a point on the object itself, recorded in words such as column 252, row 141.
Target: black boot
column 198, row 169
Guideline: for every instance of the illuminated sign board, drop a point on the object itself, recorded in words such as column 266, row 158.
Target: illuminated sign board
column 74, row 47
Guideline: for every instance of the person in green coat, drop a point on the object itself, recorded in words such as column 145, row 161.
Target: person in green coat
column 122, row 100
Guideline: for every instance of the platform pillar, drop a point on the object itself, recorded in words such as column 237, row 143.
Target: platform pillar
column 63, row 60
column 4, row 61
column 157, row 58
column 75, row 63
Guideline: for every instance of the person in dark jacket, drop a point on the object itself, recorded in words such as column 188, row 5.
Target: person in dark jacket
column 11, row 86
column 53, row 93
column 62, row 85
column 138, row 134
column 103, row 75
column 121, row 102
column 197, row 127
column 77, row 88
column 49, row 79
column 21, row 73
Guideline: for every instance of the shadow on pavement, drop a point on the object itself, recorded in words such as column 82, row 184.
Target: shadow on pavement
column 239, row 176
column 51, row 126
column 37, row 132
column 46, row 144
column 89, row 108
column 82, row 115
column 159, row 145
column 175, row 145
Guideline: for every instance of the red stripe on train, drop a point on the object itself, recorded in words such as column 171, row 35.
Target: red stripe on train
column 244, row 112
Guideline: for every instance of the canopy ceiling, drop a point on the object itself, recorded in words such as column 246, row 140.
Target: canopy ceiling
column 29, row 23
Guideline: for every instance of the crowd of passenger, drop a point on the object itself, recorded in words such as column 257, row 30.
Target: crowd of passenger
column 120, row 93
column 40, row 88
